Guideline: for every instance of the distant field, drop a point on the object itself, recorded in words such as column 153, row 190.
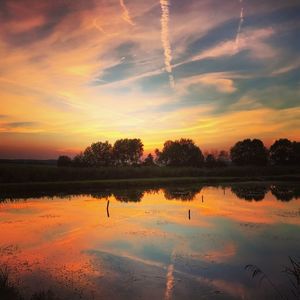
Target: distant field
column 25, row 173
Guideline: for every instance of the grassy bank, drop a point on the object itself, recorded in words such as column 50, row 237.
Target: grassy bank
column 10, row 173
column 39, row 180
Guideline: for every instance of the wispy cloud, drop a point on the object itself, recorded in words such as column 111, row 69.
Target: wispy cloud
column 55, row 52
column 165, row 15
column 126, row 16
column 20, row 124
column 20, row 127
column 98, row 27
column 221, row 81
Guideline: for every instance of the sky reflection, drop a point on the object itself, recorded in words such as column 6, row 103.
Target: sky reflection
column 150, row 248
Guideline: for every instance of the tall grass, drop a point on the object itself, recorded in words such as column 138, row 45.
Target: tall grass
column 9, row 291
column 10, row 173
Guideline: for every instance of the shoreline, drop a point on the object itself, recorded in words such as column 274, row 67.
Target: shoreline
column 94, row 185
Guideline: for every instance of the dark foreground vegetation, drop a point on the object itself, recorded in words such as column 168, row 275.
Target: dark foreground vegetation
column 35, row 173
column 292, row 271
column 10, row 291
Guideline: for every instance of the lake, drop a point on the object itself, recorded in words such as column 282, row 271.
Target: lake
column 205, row 242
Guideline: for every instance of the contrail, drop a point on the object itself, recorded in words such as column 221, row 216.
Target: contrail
column 164, row 20
column 126, row 17
column 237, row 38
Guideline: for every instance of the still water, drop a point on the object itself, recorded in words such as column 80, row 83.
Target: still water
column 172, row 243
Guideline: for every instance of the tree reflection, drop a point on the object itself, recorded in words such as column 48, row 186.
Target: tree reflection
column 250, row 192
column 101, row 194
column 173, row 193
column 129, row 195
column 284, row 192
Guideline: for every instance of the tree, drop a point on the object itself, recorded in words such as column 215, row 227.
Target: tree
column 149, row 160
column 78, row 160
column 210, row 161
column 249, row 152
column 98, row 154
column 223, row 159
column 181, row 152
column 282, row 152
column 128, row 152
column 64, row 161
column 296, row 150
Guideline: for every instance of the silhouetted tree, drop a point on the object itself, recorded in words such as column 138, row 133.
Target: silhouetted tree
column 78, row 160
column 283, row 152
column 64, row 161
column 180, row 153
column 149, row 160
column 98, row 154
column 128, row 152
column 223, row 159
column 210, row 161
column 249, row 152
column 296, row 150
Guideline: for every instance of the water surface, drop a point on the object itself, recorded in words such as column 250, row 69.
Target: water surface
column 173, row 243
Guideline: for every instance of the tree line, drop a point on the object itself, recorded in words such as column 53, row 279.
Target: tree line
column 184, row 153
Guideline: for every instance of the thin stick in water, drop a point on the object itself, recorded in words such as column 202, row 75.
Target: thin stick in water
column 107, row 209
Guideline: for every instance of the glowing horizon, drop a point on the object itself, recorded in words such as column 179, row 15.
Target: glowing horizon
column 77, row 72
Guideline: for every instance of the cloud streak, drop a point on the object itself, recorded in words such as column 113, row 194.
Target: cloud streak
column 126, row 16
column 165, row 15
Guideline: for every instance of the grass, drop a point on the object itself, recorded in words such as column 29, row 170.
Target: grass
column 9, row 291
column 293, row 273
column 12, row 173
column 16, row 179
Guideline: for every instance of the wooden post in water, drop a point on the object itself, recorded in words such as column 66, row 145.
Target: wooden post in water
column 107, row 208
column 202, row 199
column 189, row 214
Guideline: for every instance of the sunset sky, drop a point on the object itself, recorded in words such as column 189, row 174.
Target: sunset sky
column 74, row 72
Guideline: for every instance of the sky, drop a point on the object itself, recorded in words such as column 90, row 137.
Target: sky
column 73, row 72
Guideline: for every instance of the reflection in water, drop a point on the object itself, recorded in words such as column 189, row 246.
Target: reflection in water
column 129, row 195
column 183, row 194
column 250, row 192
column 102, row 194
column 170, row 282
column 148, row 248
column 107, row 209
column 285, row 192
